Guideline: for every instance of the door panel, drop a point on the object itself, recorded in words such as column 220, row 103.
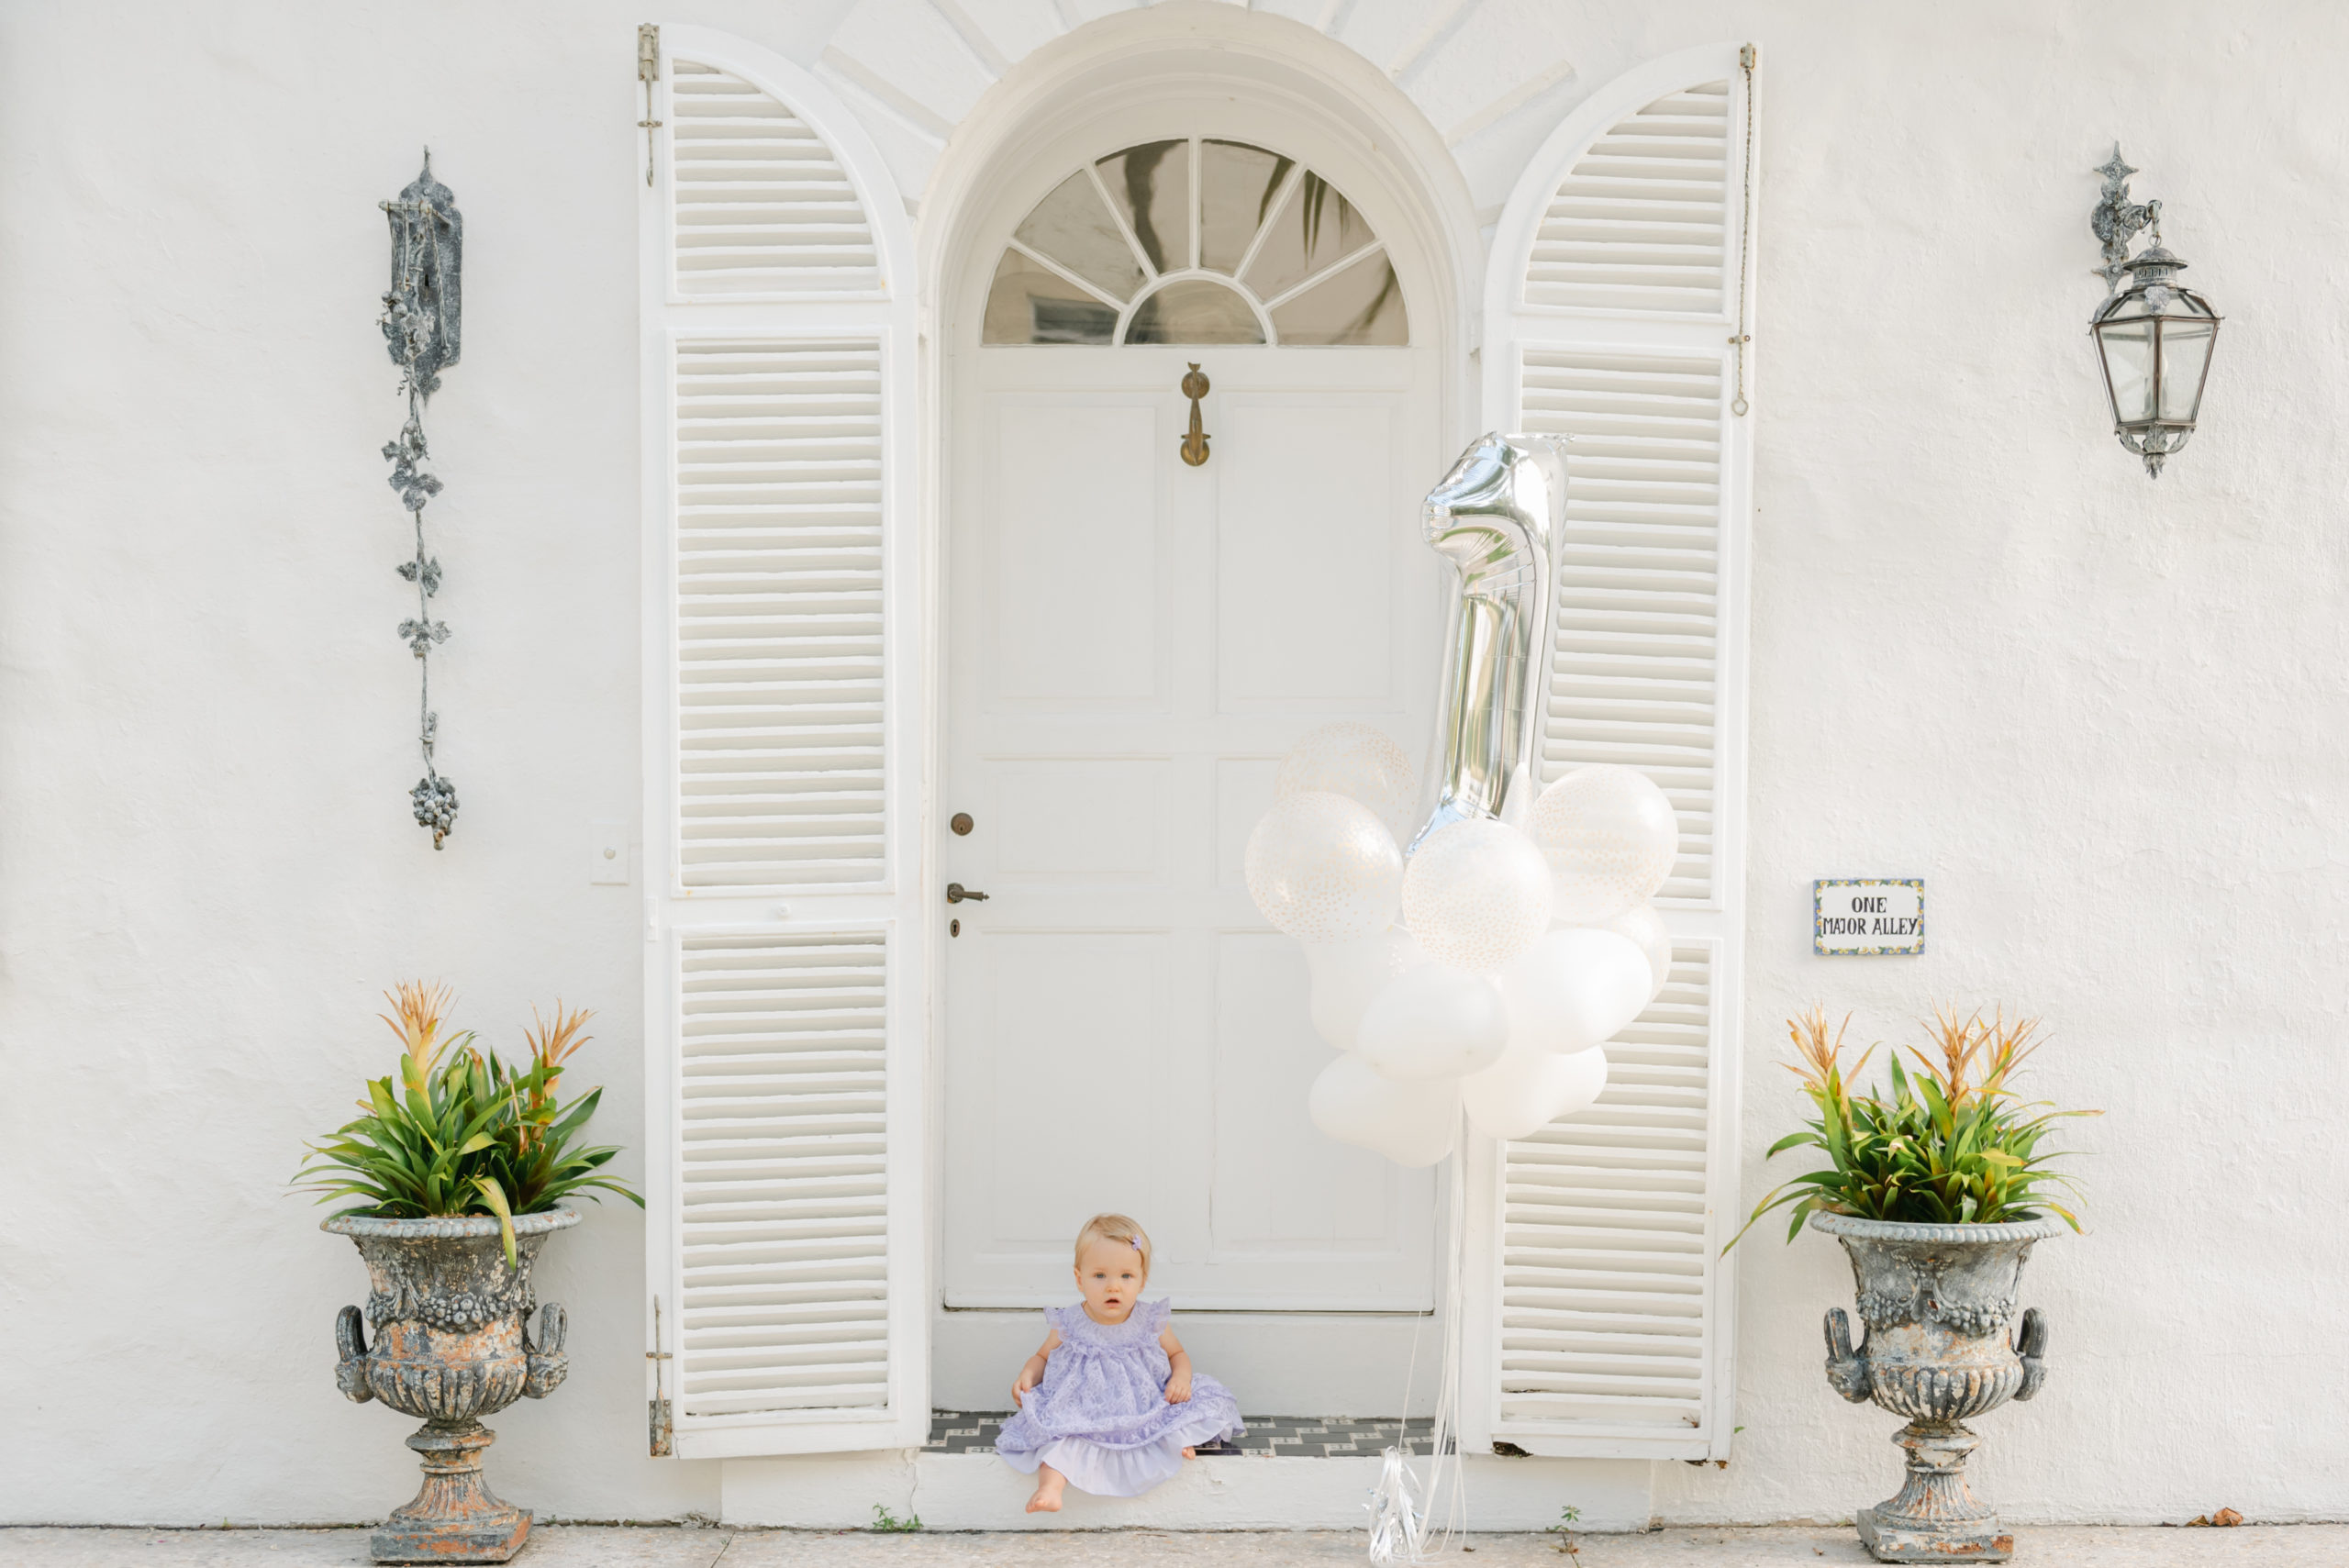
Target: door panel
column 1281, row 1190
column 1302, row 582
column 1134, row 644
column 1077, row 510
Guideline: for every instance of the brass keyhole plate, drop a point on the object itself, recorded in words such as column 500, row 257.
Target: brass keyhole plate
column 961, row 824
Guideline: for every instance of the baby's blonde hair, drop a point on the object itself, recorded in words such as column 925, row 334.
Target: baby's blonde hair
column 1114, row 1227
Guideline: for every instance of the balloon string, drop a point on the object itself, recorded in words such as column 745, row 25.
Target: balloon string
column 1445, row 1431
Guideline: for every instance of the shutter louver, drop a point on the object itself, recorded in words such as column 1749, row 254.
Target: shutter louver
column 786, row 1196
column 761, row 205
column 1633, row 668
column 779, row 612
column 1639, row 223
column 1605, row 1260
column 1604, row 1327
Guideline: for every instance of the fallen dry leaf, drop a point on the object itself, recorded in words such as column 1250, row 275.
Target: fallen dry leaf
column 2226, row 1516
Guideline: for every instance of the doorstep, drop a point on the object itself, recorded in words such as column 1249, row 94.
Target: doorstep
column 1285, row 1473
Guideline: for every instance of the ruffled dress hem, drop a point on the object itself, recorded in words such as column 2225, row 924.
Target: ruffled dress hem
column 1121, row 1472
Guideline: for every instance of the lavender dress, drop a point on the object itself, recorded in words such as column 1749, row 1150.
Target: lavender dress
column 1100, row 1417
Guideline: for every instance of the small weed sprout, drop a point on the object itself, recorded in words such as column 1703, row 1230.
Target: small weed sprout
column 1568, row 1518
column 887, row 1523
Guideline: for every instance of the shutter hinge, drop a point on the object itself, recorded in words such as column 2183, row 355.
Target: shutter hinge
column 660, row 1429
column 1745, row 57
column 648, row 71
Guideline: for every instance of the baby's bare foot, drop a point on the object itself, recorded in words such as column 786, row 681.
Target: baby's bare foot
column 1190, row 1453
column 1049, row 1485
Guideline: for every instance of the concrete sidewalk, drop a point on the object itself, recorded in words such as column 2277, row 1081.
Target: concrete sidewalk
column 592, row 1546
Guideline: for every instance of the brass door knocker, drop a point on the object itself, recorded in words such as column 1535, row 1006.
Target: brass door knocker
column 1194, row 445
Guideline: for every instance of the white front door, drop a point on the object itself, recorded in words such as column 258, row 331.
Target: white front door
column 1134, row 644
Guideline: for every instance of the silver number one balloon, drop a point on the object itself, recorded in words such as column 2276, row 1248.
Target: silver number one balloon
column 1496, row 516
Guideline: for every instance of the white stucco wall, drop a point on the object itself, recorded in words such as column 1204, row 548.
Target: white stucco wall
column 2097, row 714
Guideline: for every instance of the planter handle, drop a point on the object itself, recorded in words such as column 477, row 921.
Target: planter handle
column 549, row 1366
column 351, row 1371
column 2031, row 1344
column 1847, row 1369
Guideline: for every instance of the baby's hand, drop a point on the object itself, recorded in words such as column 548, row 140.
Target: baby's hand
column 1019, row 1387
column 1178, row 1388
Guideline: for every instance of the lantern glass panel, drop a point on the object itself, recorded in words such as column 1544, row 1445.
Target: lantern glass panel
column 2186, row 354
column 2128, row 350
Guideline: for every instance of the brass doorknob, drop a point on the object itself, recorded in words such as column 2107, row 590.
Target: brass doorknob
column 956, row 893
column 1195, row 444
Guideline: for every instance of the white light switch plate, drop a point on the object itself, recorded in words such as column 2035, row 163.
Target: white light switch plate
column 608, row 852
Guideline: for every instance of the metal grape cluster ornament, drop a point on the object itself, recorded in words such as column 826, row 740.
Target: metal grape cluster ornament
column 1481, row 969
column 422, row 316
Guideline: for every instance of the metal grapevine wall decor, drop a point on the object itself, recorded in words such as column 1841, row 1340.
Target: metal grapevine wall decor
column 422, row 313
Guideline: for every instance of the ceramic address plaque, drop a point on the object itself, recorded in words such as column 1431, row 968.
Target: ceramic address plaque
column 1868, row 917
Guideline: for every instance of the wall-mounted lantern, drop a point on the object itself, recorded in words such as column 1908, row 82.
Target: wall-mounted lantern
column 2154, row 336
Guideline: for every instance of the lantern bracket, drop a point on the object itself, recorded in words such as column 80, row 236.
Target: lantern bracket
column 2116, row 220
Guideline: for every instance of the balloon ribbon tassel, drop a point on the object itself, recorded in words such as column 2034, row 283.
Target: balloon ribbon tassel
column 1397, row 1513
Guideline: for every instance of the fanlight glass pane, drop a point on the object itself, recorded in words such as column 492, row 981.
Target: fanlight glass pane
column 2128, row 350
column 1237, row 184
column 1073, row 228
column 1314, row 228
column 1031, row 304
column 1194, row 311
column 1362, row 304
column 1151, row 185
column 2186, row 354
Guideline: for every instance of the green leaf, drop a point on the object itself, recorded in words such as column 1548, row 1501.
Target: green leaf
column 494, row 1196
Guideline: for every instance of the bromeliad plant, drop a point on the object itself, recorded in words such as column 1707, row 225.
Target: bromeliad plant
column 460, row 1131
column 1953, row 1145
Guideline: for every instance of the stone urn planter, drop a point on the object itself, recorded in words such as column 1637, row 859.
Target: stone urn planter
column 451, row 1343
column 1937, row 1300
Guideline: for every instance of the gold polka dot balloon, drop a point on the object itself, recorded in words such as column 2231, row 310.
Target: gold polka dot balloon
column 1360, row 763
column 1476, row 894
column 1611, row 837
column 1322, row 869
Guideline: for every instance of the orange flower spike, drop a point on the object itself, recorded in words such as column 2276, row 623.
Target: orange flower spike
column 420, row 1010
column 552, row 1045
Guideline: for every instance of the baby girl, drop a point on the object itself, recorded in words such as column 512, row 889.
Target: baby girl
column 1110, row 1403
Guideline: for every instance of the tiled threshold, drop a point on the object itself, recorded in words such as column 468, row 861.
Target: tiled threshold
column 1267, row 1436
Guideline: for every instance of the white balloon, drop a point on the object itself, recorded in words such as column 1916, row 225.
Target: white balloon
column 1574, row 988
column 1346, row 975
column 1611, row 838
column 1645, row 927
column 1528, row 1089
column 1475, row 895
column 1411, row 1124
column 1433, row 1022
column 1322, row 869
column 1360, row 763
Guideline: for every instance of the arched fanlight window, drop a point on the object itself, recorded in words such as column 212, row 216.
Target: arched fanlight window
column 1195, row 241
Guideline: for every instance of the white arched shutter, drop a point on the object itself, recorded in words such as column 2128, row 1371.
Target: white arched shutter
column 784, row 1001
column 1598, row 1321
